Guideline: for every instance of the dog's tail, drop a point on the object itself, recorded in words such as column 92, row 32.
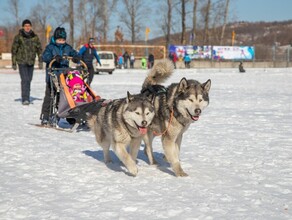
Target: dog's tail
column 160, row 72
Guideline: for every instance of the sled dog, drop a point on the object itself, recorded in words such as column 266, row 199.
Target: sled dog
column 122, row 123
column 176, row 107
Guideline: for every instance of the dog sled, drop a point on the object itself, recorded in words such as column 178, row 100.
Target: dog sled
column 71, row 96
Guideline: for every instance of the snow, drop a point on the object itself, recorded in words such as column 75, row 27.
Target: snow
column 238, row 155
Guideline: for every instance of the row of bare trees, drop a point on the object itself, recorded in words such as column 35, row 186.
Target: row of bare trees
column 99, row 18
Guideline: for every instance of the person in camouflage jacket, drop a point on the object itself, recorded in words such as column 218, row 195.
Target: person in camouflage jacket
column 26, row 45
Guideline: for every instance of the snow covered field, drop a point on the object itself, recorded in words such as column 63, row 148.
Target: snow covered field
column 238, row 156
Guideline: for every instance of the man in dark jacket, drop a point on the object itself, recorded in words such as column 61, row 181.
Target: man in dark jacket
column 57, row 49
column 126, row 59
column 87, row 53
column 150, row 61
column 26, row 45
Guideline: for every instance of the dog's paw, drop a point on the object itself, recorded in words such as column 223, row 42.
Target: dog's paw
column 178, row 170
column 181, row 174
column 108, row 161
column 133, row 171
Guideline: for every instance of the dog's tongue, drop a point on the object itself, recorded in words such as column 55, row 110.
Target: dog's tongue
column 142, row 130
column 195, row 118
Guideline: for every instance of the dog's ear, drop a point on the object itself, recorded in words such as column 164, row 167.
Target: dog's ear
column 207, row 85
column 129, row 97
column 183, row 84
column 152, row 99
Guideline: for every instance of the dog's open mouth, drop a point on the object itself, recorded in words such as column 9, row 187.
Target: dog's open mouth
column 142, row 130
column 194, row 117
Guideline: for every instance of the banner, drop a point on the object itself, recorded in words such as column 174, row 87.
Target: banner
column 195, row 52
column 233, row 53
column 215, row 52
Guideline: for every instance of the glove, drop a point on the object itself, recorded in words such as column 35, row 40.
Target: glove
column 76, row 59
column 40, row 65
column 58, row 58
column 14, row 66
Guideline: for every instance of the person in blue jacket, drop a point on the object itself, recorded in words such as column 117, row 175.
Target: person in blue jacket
column 87, row 53
column 187, row 60
column 56, row 49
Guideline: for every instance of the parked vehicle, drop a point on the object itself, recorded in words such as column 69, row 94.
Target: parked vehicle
column 107, row 60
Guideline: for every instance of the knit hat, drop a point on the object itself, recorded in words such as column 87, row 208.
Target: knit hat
column 26, row 21
column 60, row 33
column 91, row 40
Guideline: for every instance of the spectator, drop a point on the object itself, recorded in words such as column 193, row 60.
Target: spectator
column 126, row 59
column 187, row 61
column 116, row 59
column 173, row 57
column 120, row 61
column 150, row 60
column 87, row 53
column 143, row 63
column 26, row 44
column 132, row 61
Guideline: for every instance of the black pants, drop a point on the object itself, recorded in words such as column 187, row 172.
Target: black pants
column 46, row 108
column 91, row 73
column 26, row 72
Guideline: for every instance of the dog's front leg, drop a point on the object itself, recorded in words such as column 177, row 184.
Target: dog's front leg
column 171, row 150
column 134, row 147
column 178, row 142
column 148, row 150
column 122, row 154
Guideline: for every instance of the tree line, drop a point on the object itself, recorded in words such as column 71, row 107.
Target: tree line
column 101, row 18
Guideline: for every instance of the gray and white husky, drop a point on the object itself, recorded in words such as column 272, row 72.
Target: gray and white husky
column 176, row 107
column 121, row 124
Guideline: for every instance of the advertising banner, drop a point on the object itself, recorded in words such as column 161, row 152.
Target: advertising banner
column 195, row 52
column 215, row 52
column 233, row 53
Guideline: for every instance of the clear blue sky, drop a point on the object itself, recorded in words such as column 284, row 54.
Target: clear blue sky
column 261, row 10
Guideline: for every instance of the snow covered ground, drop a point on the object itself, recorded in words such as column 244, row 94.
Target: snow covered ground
column 238, row 155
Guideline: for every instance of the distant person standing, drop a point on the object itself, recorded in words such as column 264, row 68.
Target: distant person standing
column 120, row 61
column 187, row 61
column 150, row 60
column 87, row 53
column 173, row 57
column 126, row 59
column 132, row 61
column 143, row 63
column 26, row 44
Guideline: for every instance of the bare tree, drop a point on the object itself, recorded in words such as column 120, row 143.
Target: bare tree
column 206, row 12
column 71, row 21
column 82, row 20
column 132, row 19
column 166, row 22
column 40, row 15
column 14, row 7
column 105, row 10
column 194, row 21
column 183, row 22
column 225, row 21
